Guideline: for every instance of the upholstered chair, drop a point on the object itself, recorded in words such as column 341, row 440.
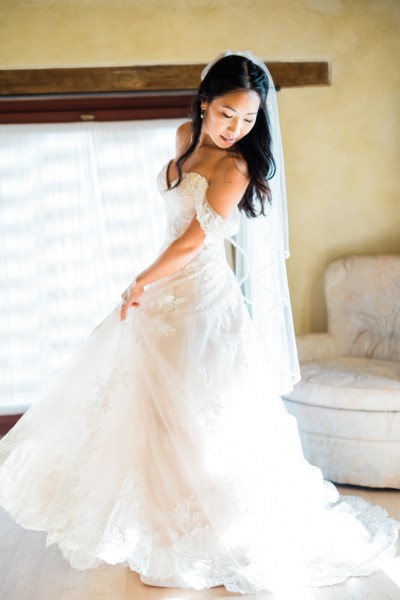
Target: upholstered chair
column 347, row 404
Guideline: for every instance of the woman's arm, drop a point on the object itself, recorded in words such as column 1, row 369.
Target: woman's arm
column 176, row 256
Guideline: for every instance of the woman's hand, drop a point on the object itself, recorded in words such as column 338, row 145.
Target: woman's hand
column 130, row 297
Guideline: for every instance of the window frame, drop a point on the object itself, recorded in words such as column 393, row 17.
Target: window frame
column 84, row 108
column 95, row 107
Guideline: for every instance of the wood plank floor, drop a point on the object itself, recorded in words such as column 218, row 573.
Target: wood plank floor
column 29, row 571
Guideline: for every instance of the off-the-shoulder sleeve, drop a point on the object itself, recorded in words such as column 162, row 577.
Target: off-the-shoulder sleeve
column 214, row 226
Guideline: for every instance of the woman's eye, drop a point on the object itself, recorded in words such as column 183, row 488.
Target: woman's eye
column 250, row 121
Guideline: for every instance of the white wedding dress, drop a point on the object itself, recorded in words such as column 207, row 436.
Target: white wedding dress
column 164, row 444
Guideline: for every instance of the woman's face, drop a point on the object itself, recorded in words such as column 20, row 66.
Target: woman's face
column 229, row 118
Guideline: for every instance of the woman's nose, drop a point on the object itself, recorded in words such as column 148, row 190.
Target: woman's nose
column 234, row 127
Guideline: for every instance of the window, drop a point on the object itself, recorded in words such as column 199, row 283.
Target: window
column 80, row 214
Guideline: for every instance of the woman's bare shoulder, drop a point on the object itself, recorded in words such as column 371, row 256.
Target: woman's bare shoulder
column 232, row 169
column 228, row 183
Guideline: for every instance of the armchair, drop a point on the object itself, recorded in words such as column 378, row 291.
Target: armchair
column 347, row 404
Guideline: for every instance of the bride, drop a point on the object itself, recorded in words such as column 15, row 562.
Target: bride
column 164, row 444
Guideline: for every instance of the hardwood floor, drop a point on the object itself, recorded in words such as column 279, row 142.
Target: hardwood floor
column 29, row 571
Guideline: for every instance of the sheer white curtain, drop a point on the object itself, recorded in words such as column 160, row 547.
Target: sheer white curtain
column 80, row 214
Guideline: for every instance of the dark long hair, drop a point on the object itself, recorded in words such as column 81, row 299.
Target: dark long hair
column 231, row 74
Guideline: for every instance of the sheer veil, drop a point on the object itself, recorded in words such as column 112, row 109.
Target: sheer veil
column 261, row 251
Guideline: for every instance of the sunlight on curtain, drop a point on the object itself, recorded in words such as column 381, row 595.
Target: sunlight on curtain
column 80, row 215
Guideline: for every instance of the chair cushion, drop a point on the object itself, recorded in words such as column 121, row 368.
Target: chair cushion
column 338, row 424
column 350, row 383
column 363, row 301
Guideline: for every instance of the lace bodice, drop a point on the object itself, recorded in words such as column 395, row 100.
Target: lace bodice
column 189, row 199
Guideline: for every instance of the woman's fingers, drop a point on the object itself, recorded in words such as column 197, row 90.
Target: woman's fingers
column 123, row 312
column 126, row 305
column 130, row 297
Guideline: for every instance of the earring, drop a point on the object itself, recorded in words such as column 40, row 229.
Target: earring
column 201, row 113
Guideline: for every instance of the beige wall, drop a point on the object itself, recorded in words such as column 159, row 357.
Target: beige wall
column 341, row 142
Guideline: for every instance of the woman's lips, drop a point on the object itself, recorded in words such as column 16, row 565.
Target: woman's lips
column 228, row 140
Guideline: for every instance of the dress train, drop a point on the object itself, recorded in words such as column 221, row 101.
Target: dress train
column 164, row 445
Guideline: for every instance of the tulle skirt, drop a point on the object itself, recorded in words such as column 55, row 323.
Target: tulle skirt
column 163, row 444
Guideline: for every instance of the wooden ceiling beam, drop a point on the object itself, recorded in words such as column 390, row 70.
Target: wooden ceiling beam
column 17, row 82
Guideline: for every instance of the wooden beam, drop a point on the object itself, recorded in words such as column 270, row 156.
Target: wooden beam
column 142, row 78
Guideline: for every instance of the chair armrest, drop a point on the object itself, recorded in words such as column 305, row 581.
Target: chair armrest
column 315, row 346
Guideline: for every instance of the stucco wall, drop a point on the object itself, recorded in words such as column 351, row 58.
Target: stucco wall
column 341, row 142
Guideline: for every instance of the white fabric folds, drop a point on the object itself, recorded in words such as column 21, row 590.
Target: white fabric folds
column 164, row 444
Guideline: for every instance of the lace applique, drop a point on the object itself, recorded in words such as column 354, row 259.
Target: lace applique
column 154, row 314
column 213, row 281
column 167, row 303
column 231, row 346
column 210, row 402
column 186, row 516
column 107, row 389
column 230, row 328
column 58, row 491
column 379, row 527
column 119, row 522
column 160, row 327
column 156, row 325
column 215, row 227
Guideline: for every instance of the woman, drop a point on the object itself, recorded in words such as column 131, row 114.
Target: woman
column 164, row 444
